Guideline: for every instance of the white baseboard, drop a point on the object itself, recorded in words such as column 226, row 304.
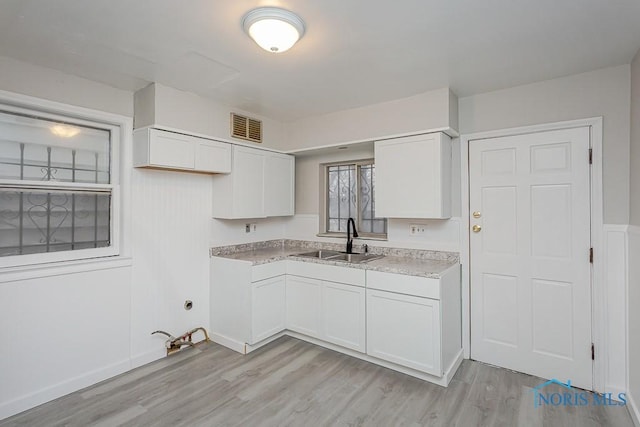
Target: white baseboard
column 441, row 381
column 633, row 410
column 47, row 394
column 148, row 357
column 232, row 344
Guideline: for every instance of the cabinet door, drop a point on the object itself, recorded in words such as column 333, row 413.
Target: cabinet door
column 303, row 305
column 267, row 308
column 279, row 184
column 248, row 182
column 212, row 156
column 413, row 177
column 405, row 330
column 343, row 315
column 171, row 150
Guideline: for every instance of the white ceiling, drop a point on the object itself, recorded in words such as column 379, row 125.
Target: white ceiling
column 355, row 52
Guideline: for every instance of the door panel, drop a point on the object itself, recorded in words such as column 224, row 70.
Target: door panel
column 303, row 302
column 530, row 270
column 343, row 315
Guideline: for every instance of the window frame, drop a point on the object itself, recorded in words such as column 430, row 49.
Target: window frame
column 118, row 126
column 324, row 202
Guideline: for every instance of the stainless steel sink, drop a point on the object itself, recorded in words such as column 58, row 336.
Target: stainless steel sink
column 321, row 254
column 354, row 258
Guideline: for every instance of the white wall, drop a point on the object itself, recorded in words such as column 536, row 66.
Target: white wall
column 633, row 300
column 62, row 333
column 27, row 79
column 634, row 190
column 233, row 231
column 598, row 93
column 162, row 105
column 431, row 110
column 171, row 217
column 66, row 331
column 440, row 234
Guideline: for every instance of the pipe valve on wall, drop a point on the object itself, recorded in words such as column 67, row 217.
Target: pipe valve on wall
column 174, row 344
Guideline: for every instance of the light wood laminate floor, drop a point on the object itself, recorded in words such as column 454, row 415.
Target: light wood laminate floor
column 293, row 383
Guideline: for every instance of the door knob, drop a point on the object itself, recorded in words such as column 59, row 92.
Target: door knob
column 477, row 214
column 476, row 228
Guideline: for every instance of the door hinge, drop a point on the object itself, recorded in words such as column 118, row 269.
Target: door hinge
column 593, row 352
column 590, row 156
column 591, row 255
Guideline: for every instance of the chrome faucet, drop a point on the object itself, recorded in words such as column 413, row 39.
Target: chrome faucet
column 351, row 223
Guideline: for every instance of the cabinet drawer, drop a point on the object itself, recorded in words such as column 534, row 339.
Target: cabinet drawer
column 266, row 271
column 404, row 284
column 331, row 273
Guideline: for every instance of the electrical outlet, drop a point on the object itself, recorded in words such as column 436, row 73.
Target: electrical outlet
column 254, row 228
column 417, row 229
column 247, row 228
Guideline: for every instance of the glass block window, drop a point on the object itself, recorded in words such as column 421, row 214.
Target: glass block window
column 55, row 184
column 350, row 190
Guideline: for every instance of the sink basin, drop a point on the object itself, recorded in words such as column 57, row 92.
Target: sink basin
column 319, row 254
column 354, row 258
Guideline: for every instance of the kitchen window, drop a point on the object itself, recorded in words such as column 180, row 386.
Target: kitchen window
column 350, row 193
column 58, row 192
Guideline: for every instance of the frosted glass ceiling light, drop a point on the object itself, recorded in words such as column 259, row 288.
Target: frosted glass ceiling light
column 273, row 29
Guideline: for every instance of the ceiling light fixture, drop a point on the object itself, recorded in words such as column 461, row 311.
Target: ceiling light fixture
column 273, row 29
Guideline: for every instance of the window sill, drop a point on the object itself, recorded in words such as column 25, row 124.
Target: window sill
column 13, row 274
column 380, row 238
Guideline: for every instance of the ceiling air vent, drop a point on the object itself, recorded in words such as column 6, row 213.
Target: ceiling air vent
column 246, row 128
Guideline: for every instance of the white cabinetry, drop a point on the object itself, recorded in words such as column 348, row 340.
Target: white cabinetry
column 415, row 321
column 279, row 184
column 344, row 315
column 319, row 307
column 155, row 148
column 413, row 177
column 247, row 302
column 260, row 185
column 304, row 305
column 408, row 323
column 268, row 308
column 405, row 330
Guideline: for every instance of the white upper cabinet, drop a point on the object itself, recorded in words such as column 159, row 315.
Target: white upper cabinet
column 155, row 148
column 260, row 185
column 212, row 156
column 413, row 177
column 279, row 184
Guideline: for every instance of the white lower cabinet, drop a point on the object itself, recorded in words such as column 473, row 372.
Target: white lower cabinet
column 343, row 315
column 416, row 321
column 268, row 308
column 304, row 305
column 247, row 302
column 320, row 307
column 332, row 312
column 405, row 330
column 408, row 323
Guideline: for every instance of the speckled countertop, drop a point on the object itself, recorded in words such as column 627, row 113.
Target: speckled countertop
column 412, row 262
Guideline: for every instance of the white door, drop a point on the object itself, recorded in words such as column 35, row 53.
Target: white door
column 530, row 268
